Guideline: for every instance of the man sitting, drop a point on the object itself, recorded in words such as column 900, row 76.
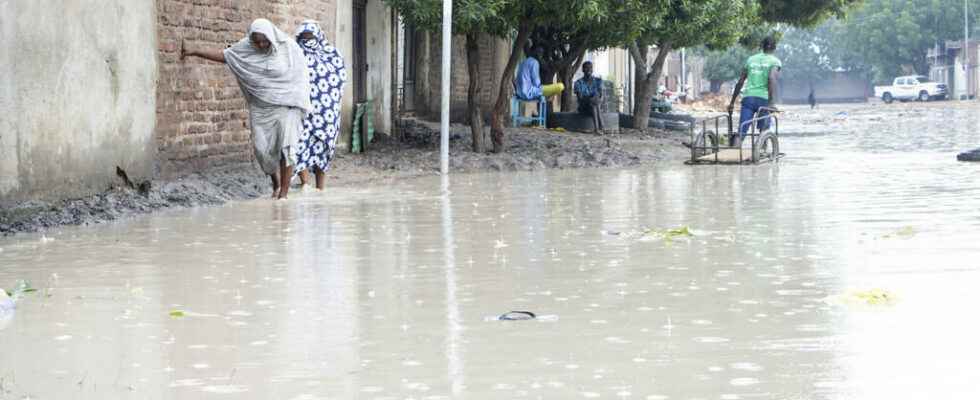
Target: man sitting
column 588, row 91
column 527, row 85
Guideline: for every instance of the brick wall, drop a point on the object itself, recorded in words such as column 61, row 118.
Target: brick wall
column 201, row 115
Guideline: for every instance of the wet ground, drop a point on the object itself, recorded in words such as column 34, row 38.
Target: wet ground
column 846, row 271
column 387, row 160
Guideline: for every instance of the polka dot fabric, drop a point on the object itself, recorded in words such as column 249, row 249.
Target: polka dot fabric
column 327, row 77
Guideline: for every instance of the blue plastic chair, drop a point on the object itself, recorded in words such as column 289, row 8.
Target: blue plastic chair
column 518, row 118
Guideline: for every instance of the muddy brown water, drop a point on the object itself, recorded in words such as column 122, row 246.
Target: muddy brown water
column 392, row 292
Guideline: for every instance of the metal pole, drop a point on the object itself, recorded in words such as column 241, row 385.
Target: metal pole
column 447, row 33
column 966, row 48
column 683, row 88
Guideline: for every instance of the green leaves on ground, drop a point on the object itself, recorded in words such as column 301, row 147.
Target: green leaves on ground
column 648, row 234
column 905, row 232
column 22, row 287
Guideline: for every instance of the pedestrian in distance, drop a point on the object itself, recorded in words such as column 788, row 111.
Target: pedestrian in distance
column 321, row 127
column 272, row 74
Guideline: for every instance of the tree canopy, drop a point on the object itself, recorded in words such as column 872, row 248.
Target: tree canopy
column 803, row 13
column 894, row 36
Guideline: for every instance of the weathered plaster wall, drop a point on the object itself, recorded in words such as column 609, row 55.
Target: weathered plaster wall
column 379, row 51
column 76, row 96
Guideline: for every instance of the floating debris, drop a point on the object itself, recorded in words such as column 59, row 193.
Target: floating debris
column 21, row 288
column 872, row 297
column 518, row 316
column 190, row 314
column 648, row 234
column 679, row 232
column 905, row 232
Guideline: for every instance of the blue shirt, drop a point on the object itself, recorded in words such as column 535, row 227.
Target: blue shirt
column 527, row 85
column 585, row 88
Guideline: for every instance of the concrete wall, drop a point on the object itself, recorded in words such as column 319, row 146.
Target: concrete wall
column 839, row 88
column 379, row 51
column 76, row 95
column 343, row 40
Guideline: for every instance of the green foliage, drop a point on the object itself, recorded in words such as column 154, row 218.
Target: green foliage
column 725, row 65
column 894, row 36
column 712, row 23
column 804, row 13
column 488, row 16
column 815, row 53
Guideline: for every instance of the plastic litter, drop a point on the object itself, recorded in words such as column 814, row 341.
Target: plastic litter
column 6, row 303
column 869, row 297
column 518, row 316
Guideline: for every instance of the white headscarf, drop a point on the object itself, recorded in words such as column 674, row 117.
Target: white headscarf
column 277, row 76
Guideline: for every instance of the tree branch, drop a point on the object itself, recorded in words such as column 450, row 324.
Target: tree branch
column 638, row 58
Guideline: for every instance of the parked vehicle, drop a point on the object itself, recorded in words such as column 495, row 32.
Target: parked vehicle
column 913, row 87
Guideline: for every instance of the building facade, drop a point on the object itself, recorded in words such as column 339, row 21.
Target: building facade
column 87, row 89
column 957, row 67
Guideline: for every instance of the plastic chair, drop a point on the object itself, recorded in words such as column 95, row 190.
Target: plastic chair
column 518, row 118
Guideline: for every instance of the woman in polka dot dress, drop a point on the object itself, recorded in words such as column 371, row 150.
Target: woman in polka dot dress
column 322, row 126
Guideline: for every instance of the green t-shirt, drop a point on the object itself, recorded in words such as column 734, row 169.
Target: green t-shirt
column 758, row 67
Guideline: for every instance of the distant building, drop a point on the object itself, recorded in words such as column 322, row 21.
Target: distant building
column 840, row 87
column 950, row 64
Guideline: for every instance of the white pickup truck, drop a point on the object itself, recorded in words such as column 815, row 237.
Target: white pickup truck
column 914, row 87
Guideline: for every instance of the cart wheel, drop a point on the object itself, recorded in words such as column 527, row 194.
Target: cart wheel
column 766, row 148
column 706, row 143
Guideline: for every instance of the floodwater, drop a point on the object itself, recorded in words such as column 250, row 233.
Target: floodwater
column 391, row 292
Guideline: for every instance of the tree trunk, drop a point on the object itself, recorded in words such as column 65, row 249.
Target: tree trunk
column 646, row 87
column 473, row 100
column 548, row 74
column 422, row 86
column 500, row 111
column 716, row 86
column 567, row 76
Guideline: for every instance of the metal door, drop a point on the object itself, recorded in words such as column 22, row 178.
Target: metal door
column 359, row 61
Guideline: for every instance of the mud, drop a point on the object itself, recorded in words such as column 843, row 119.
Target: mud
column 386, row 159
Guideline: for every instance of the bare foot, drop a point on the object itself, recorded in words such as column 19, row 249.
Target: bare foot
column 275, row 186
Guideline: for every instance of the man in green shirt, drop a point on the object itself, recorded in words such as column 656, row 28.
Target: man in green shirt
column 761, row 71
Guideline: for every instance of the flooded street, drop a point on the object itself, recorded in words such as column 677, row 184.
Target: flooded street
column 849, row 270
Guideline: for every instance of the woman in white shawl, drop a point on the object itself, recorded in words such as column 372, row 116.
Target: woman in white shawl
column 272, row 73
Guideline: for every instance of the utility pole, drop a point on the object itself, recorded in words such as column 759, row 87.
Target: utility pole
column 447, row 35
column 966, row 44
column 683, row 88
